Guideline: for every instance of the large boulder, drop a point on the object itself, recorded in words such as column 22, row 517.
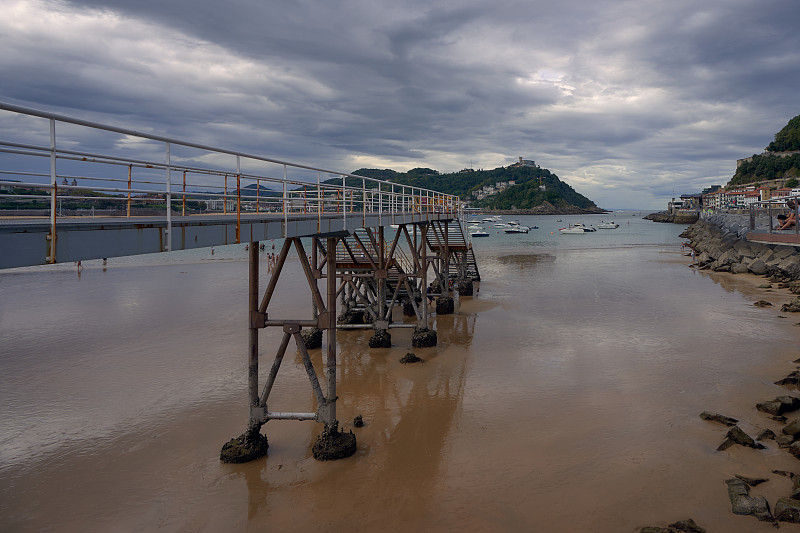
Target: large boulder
column 465, row 288
column 758, row 267
column 737, row 436
column 744, row 504
column 739, row 268
column 423, row 338
column 445, row 305
column 380, row 339
column 787, row 510
column 792, row 428
column 779, row 406
column 354, row 316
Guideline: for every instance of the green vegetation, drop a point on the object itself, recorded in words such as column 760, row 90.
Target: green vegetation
column 766, row 167
column 788, row 139
column 526, row 194
column 771, row 165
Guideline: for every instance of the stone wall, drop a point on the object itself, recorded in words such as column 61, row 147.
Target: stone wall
column 721, row 245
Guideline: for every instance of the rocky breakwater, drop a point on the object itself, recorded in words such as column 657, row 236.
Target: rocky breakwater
column 720, row 244
column 680, row 217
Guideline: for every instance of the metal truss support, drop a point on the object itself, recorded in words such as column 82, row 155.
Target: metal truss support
column 324, row 309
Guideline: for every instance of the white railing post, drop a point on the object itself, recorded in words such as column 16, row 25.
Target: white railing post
column 319, row 206
column 284, row 206
column 344, row 203
column 169, row 202
column 53, row 192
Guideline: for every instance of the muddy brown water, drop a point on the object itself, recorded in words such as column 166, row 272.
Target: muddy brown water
column 564, row 396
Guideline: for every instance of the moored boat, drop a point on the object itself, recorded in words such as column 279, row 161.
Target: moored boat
column 608, row 225
column 577, row 229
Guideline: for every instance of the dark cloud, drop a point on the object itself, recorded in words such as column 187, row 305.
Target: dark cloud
column 624, row 100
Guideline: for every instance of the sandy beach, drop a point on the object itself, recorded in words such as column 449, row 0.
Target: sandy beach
column 563, row 397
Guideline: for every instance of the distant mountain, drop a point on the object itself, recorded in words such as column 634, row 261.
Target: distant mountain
column 534, row 188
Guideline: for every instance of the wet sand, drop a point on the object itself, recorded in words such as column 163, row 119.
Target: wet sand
column 563, row 397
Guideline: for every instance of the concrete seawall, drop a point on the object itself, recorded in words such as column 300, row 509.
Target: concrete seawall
column 720, row 242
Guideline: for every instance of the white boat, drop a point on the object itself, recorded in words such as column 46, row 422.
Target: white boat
column 571, row 230
column 577, row 229
column 517, row 229
column 394, row 226
column 479, row 233
column 513, row 223
column 498, row 225
column 608, row 225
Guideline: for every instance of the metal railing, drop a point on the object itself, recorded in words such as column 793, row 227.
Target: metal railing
column 97, row 169
column 769, row 208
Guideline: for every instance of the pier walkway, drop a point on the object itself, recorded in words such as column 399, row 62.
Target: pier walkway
column 98, row 191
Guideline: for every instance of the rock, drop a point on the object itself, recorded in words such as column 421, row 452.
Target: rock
column 687, row 526
column 792, row 428
column 354, row 316
column 766, row 434
column 759, row 268
column 722, row 419
column 744, row 504
column 737, row 436
column 423, row 338
column 752, row 481
column 410, row 358
column 445, row 305
column 783, row 473
column 739, row 268
column 791, row 307
column 333, row 444
column 780, row 405
column 784, row 440
column 248, row 446
column 787, row 510
column 762, row 303
column 794, row 449
column 684, row 526
column 793, row 378
column 380, row 339
column 465, row 288
column 779, row 418
column 358, row 422
column 312, row 337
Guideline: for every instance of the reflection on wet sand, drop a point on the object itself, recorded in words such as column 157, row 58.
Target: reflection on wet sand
column 563, row 397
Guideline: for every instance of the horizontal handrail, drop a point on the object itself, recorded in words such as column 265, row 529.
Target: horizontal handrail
column 222, row 179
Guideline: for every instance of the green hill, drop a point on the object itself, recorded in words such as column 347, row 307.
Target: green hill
column 535, row 187
column 788, row 139
column 776, row 163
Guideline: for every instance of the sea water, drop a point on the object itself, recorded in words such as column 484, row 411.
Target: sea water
column 563, row 396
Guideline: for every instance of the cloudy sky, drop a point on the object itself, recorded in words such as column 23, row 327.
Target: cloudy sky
column 626, row 100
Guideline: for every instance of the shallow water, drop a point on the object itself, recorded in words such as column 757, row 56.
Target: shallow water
column 562, row 397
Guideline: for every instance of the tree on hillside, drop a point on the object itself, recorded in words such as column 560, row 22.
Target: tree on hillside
column 788, row 139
